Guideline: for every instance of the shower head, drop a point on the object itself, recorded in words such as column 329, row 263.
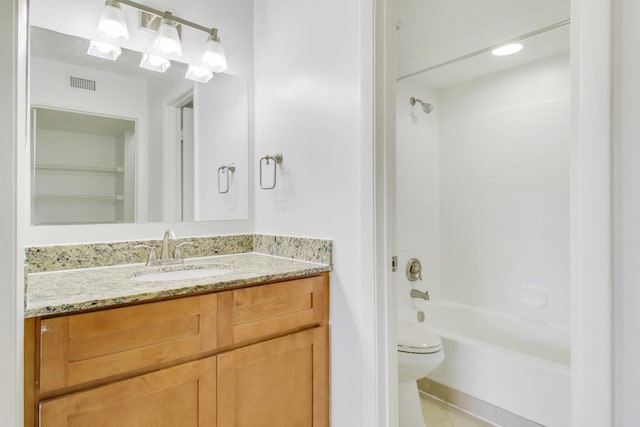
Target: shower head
column 426, row 107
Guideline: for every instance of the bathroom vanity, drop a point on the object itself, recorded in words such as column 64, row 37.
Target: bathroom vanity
column 245, row 348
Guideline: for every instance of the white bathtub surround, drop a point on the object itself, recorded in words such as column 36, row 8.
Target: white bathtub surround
column 417, row 189
column 504, row 188
column 514, row 364
column 534, row 303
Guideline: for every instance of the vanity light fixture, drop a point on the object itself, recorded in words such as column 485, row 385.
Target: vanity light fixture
column 154, row 63
column 199, row 73
column 112, row 25
column 104, row 50
column 508, row 49
column 168, row 41
column 112, row 31
column 214, row 57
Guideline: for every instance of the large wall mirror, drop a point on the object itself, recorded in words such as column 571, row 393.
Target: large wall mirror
column 112, row 142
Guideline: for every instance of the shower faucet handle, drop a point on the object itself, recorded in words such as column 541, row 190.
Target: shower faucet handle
column 414, row 270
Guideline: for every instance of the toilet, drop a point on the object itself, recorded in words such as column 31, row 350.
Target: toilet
column 419, row 352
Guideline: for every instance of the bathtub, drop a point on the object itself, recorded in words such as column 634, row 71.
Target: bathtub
column 517, row 365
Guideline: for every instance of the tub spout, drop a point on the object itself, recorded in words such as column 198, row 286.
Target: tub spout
column 419, row 294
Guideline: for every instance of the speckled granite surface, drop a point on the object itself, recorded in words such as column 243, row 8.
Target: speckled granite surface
column 65, row 257
column 73, row 290
column 302, row 248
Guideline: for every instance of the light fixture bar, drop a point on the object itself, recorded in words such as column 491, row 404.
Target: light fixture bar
column 164, row 14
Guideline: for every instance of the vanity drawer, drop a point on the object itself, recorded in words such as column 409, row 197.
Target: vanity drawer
column 81, row 348
column 250, row 314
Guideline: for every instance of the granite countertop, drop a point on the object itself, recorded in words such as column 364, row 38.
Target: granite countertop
column 66, row 291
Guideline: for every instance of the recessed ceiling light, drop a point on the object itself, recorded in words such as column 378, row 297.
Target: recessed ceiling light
column 508, row 49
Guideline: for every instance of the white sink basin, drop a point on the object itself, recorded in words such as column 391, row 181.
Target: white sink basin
column 199, row 273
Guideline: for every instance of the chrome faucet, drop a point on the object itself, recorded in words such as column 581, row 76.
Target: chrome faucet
column 419, row 294
column 165, row 256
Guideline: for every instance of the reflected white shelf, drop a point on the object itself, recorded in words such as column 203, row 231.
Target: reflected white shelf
column 76, row 199
column 76, row 169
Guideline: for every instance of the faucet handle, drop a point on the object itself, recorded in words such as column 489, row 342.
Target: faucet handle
column 414, row 270
column 151, row 259
column 176, row 252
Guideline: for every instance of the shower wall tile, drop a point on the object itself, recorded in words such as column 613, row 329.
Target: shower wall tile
column 504, row 188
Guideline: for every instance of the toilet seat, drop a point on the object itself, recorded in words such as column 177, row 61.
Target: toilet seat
column 417, row 340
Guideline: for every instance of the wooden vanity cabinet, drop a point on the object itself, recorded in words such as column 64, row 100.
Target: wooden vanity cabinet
column 254, row 356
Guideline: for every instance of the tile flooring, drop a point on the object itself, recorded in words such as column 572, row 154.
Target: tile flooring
column 439, row 414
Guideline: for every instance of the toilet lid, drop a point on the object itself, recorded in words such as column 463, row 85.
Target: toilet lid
column 417, row 339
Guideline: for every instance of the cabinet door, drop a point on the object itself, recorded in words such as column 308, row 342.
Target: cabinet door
column 87, row 347
column 184, row 395
column 283, row 382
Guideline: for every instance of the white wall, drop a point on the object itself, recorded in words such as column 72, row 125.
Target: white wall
column 222, row 138
column 309, row 105
column 626, row 214
column 504, row 189
column 116, row 94
column 417, row 189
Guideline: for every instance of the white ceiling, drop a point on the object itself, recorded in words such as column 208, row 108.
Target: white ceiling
column 432, row 32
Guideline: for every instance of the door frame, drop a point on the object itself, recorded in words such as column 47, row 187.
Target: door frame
column 171, row 159
column 590, row 213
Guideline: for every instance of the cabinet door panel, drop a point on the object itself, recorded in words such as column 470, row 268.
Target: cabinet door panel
column 282, row 382
column 252, row 313
column 184, row 395
column 86, row 347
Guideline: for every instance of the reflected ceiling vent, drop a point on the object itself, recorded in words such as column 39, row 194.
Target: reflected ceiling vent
column 80, row 83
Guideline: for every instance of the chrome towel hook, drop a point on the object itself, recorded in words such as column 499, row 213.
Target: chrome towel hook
column 277, row 159
column 225, row 170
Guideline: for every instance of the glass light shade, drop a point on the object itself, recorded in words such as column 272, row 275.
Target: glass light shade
column 508, row 49
column 154, row 63
column 199, row 73
column 214, row 56
column 168, row 40
column 104, row 50
column 112, row 24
